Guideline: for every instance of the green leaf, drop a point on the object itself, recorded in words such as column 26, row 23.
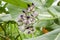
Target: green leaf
column 18, row 3
column 58, row 37
column 54, row 26
column 48, row 3
column 57, row 21
column 14, row 11
column 52, row 11
column 37, row 3
column 2, row 9
column 57, row 8
column 48, row 36
column 0, row 2
column 43, row 23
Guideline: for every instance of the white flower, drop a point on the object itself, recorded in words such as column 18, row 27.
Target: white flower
column 32, row 7
column 28, row 10
column 22, row 28
column 25, row 21
column 35, row 14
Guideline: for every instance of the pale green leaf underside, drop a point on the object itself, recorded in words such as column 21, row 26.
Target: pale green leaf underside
column 58, row 37
column 48, row 36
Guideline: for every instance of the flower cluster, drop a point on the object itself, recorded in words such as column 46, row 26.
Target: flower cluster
column 27, row 19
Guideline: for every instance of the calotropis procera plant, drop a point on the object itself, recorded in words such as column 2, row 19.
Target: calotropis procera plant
column 29, row 19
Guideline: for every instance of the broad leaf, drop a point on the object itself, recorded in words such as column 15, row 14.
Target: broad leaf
column 58, row 37
column 14, row 11
column 48, row 36
column 48, row 3
column 18, row 3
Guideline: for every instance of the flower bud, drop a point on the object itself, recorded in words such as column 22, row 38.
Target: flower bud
column 28, row 5
column 23, row 11
column 28, row 17
column 27, row 31
column 27, row 27
column 21, row 16
column 32, row 3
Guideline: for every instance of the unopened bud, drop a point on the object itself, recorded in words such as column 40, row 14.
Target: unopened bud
column 23, row 11
column 21, row 15
column 28, row 17
column 32, row 3
column 28, row 5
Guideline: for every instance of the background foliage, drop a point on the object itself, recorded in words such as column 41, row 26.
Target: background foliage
column 49, row 17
